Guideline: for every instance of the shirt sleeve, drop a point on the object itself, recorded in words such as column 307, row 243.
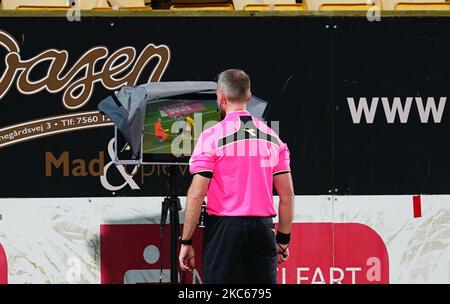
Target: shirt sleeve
column 283, row 165
column 203, row 158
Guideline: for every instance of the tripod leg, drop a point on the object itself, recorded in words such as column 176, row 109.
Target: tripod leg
column 174, row 232
column 164, row 210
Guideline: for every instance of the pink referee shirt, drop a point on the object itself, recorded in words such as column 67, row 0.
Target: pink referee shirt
column 243, row 154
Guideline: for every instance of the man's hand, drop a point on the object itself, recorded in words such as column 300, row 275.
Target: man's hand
column 187, row 258
column 282, row 253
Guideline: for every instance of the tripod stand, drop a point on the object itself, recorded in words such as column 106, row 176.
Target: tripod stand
column 172, row 205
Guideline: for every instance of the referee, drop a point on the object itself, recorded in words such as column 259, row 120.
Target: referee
column 240, row 245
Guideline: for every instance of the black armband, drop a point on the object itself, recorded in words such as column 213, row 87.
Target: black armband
column 282, row 172
column 207, row 174
column 283, row 238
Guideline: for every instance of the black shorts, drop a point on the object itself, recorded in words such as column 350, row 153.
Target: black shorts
column 239, row 250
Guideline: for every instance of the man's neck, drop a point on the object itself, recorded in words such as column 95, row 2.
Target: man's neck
column 236, row 109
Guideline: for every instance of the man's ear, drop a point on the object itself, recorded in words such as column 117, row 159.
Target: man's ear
column 223, row 99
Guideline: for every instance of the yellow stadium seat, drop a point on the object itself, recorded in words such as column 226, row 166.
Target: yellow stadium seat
column 143, row 8
column 276, row 7
column 240, row 4
column 315, row 5
column 403, row 6
column 128, row 4
column 35, row 4
column 93, row 4
column 392, row 4
column 202, row 7
column 40, row 8
column 347, row 7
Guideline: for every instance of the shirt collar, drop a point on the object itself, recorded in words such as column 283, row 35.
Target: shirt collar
column 238, row 113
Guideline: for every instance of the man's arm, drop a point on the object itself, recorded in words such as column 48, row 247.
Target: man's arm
column 283, row 185
column 201, row 165
column 195, row 196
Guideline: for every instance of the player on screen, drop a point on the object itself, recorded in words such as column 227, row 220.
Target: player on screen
column 184, row 127
column 190, row 121
column 180, row 123
column 160, row 133
column 187, row 131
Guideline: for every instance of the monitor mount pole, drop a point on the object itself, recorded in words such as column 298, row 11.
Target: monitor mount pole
column 172, row 205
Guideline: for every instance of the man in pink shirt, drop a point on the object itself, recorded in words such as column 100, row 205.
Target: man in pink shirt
column 237, row 163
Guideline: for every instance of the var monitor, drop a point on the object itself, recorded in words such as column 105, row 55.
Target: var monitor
column 171, row 127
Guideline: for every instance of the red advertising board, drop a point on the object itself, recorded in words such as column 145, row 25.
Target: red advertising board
column 3, row 266
column 328, row 253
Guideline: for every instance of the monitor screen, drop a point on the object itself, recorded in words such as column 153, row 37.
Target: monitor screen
column 171, row 127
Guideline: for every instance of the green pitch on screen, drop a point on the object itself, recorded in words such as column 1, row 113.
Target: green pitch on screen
column 155, row 145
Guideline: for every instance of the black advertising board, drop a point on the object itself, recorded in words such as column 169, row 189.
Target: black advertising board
column 401, row 67
column 319, row 73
